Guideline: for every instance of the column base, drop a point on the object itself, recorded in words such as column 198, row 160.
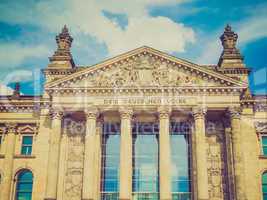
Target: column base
column 50, row 198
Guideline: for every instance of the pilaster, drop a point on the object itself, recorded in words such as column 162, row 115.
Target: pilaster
column 238, row 156
column 8, row 162
column 251, row 153
column 54, row 151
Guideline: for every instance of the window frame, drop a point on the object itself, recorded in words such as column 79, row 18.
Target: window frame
column 17, row 182
column 26, row 145
column 262, row 146
column 109, row 129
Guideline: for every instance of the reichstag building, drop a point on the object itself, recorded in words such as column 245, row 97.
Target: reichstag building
column 143, row 125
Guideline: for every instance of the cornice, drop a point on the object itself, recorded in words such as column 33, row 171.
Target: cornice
column 149, row 90
column 22, row 106
column 132, row 55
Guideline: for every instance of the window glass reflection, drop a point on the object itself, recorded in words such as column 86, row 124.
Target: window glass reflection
column 145, row 161
column 180, row 162
column 110, row 162
column 24, row 185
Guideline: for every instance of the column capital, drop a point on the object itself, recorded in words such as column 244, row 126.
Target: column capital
column 126, row 112
column 11, row 127
column 91, row 113
column 199, row 112
column 56, row 114
column 164, row 112
column 234, row 112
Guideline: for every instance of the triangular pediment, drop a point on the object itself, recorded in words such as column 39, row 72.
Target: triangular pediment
column 145, row 67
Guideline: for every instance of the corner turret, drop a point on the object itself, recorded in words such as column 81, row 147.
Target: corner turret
column 231, row 61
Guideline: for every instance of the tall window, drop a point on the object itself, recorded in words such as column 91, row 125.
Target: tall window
column 145, row 162
column 26, row 148
column 180, row 161
column 110, row 162
column 264, row 185
column 24, row 185
column 264, row 145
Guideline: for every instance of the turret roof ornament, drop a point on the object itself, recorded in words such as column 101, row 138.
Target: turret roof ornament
column 62, row 57
column 64, row 39
column 229, row 38
column 230, row 57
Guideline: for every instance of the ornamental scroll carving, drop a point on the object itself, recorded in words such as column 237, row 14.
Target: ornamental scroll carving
column 143, row 70
column 74, row 168
column 215, row 160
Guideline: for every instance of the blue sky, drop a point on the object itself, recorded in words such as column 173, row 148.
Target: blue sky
column 188, row 29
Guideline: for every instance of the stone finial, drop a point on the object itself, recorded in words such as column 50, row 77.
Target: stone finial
column 64, row 39
column 229, row 38
column 16, row 92
column 230, row 57
column 62, row 58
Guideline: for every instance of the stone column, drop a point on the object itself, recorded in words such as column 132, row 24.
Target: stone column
column 164, row 154
column 89, row 174
column 126, row 155
column 54, row 151
column 8, row 162
column 201, row 153
column 238, row 158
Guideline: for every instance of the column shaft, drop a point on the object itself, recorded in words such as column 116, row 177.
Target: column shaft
column 201, row 154
column 89, row 175
column 164, row 155
column 126, row 156
column 53, row 160
column 8, row 162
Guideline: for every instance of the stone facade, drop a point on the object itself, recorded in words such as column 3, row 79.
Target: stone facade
column 144, row 85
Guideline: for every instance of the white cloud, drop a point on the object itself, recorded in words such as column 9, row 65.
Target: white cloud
column 4, row 90
column 86, row 17
column 13, row 54
column 18, row 76
column 248, row 30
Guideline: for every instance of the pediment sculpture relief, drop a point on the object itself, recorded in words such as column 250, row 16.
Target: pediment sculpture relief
column 145, row 71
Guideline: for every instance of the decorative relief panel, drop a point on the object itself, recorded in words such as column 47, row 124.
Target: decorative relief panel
column 215, row 159
column 143, row 71
column 74, row 166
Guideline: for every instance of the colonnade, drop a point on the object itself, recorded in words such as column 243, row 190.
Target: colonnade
column 125, row 189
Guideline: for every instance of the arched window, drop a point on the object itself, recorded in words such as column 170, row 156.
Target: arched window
column 24, row 185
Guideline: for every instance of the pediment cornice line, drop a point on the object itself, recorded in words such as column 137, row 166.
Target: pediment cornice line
column 163, row 57
column 152, row 90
